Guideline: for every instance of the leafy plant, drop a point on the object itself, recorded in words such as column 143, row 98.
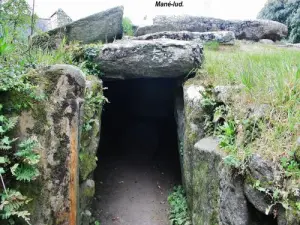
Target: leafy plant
column 179, row 214
column 227, row 136
column 127, row 26
column 93, row 105
column 18, row 161
column 11, row 205
column 16, row 16
column 21, row 165
column 291, row 166
column 84, row 56
column 213, row 110
column 5, row 46
column 232, row 161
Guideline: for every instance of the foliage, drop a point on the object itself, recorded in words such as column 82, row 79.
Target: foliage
column 93, row 103
column 275, row 75
column 15, row 163
column 16, row 16
column 5, row 46
column 290, row 165
column 11, row 205
column 18, row 159
column 227, row 136
column 212, row 45
column 179, row 214
column 295, row 27
column 127, row 26
column 40, row 57
column 265, row 75
column 211, row 107
column 284, row 11
column 85, row 55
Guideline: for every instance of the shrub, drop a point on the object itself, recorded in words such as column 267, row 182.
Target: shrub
column 127, row 26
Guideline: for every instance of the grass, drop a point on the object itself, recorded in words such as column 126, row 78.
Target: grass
column 270, row 75
column 267, row 75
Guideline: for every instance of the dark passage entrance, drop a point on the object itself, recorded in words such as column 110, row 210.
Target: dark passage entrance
column 138, row 155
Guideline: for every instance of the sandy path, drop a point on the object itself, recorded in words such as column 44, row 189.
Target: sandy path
column 132, row 192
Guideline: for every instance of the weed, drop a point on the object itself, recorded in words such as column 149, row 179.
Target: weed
column 179, row 214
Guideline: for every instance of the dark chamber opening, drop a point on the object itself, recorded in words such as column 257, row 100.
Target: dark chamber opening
column 138, row 159
column 259, row 218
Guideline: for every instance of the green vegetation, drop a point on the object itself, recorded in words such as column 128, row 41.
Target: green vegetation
column 84, row 57
column 15, row 17
column 212, row 45
column 179, row 214
column 127, row 26
column 263, row 117
column 284, row 11
column 19, row 158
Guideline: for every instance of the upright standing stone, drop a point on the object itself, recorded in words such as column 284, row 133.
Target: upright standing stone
column 56, row 124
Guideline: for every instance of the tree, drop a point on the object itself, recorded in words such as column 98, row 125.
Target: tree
column 16, row 16
column 295, row 27
column 284, row 11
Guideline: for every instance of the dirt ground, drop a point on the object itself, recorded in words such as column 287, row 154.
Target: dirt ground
column 132, row 192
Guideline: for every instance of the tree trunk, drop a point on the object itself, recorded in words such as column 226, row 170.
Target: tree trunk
column 32, row 18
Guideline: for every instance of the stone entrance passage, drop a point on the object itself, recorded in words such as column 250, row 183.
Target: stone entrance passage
column 138, row 155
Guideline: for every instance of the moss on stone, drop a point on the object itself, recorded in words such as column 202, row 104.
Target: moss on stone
column 87, row 164
column 205, row 193
column 88, row 192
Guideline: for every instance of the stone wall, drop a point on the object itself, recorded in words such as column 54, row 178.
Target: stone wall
column 217, row 193
column 89, row 144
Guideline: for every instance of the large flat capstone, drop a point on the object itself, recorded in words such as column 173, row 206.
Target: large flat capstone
column 104, row 26
column 157, row 58
column 243, row 29
column 223, row 37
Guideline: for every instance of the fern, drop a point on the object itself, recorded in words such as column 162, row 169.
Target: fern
column 11, row 123
column 26, row 152
column 11, row 203
column 5, row 143
column 24, row 172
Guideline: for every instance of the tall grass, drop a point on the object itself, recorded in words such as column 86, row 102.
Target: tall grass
column 270, row 75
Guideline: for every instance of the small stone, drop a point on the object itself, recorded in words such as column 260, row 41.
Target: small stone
column 261, row 169
column 266, row 41
column 87, row 213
